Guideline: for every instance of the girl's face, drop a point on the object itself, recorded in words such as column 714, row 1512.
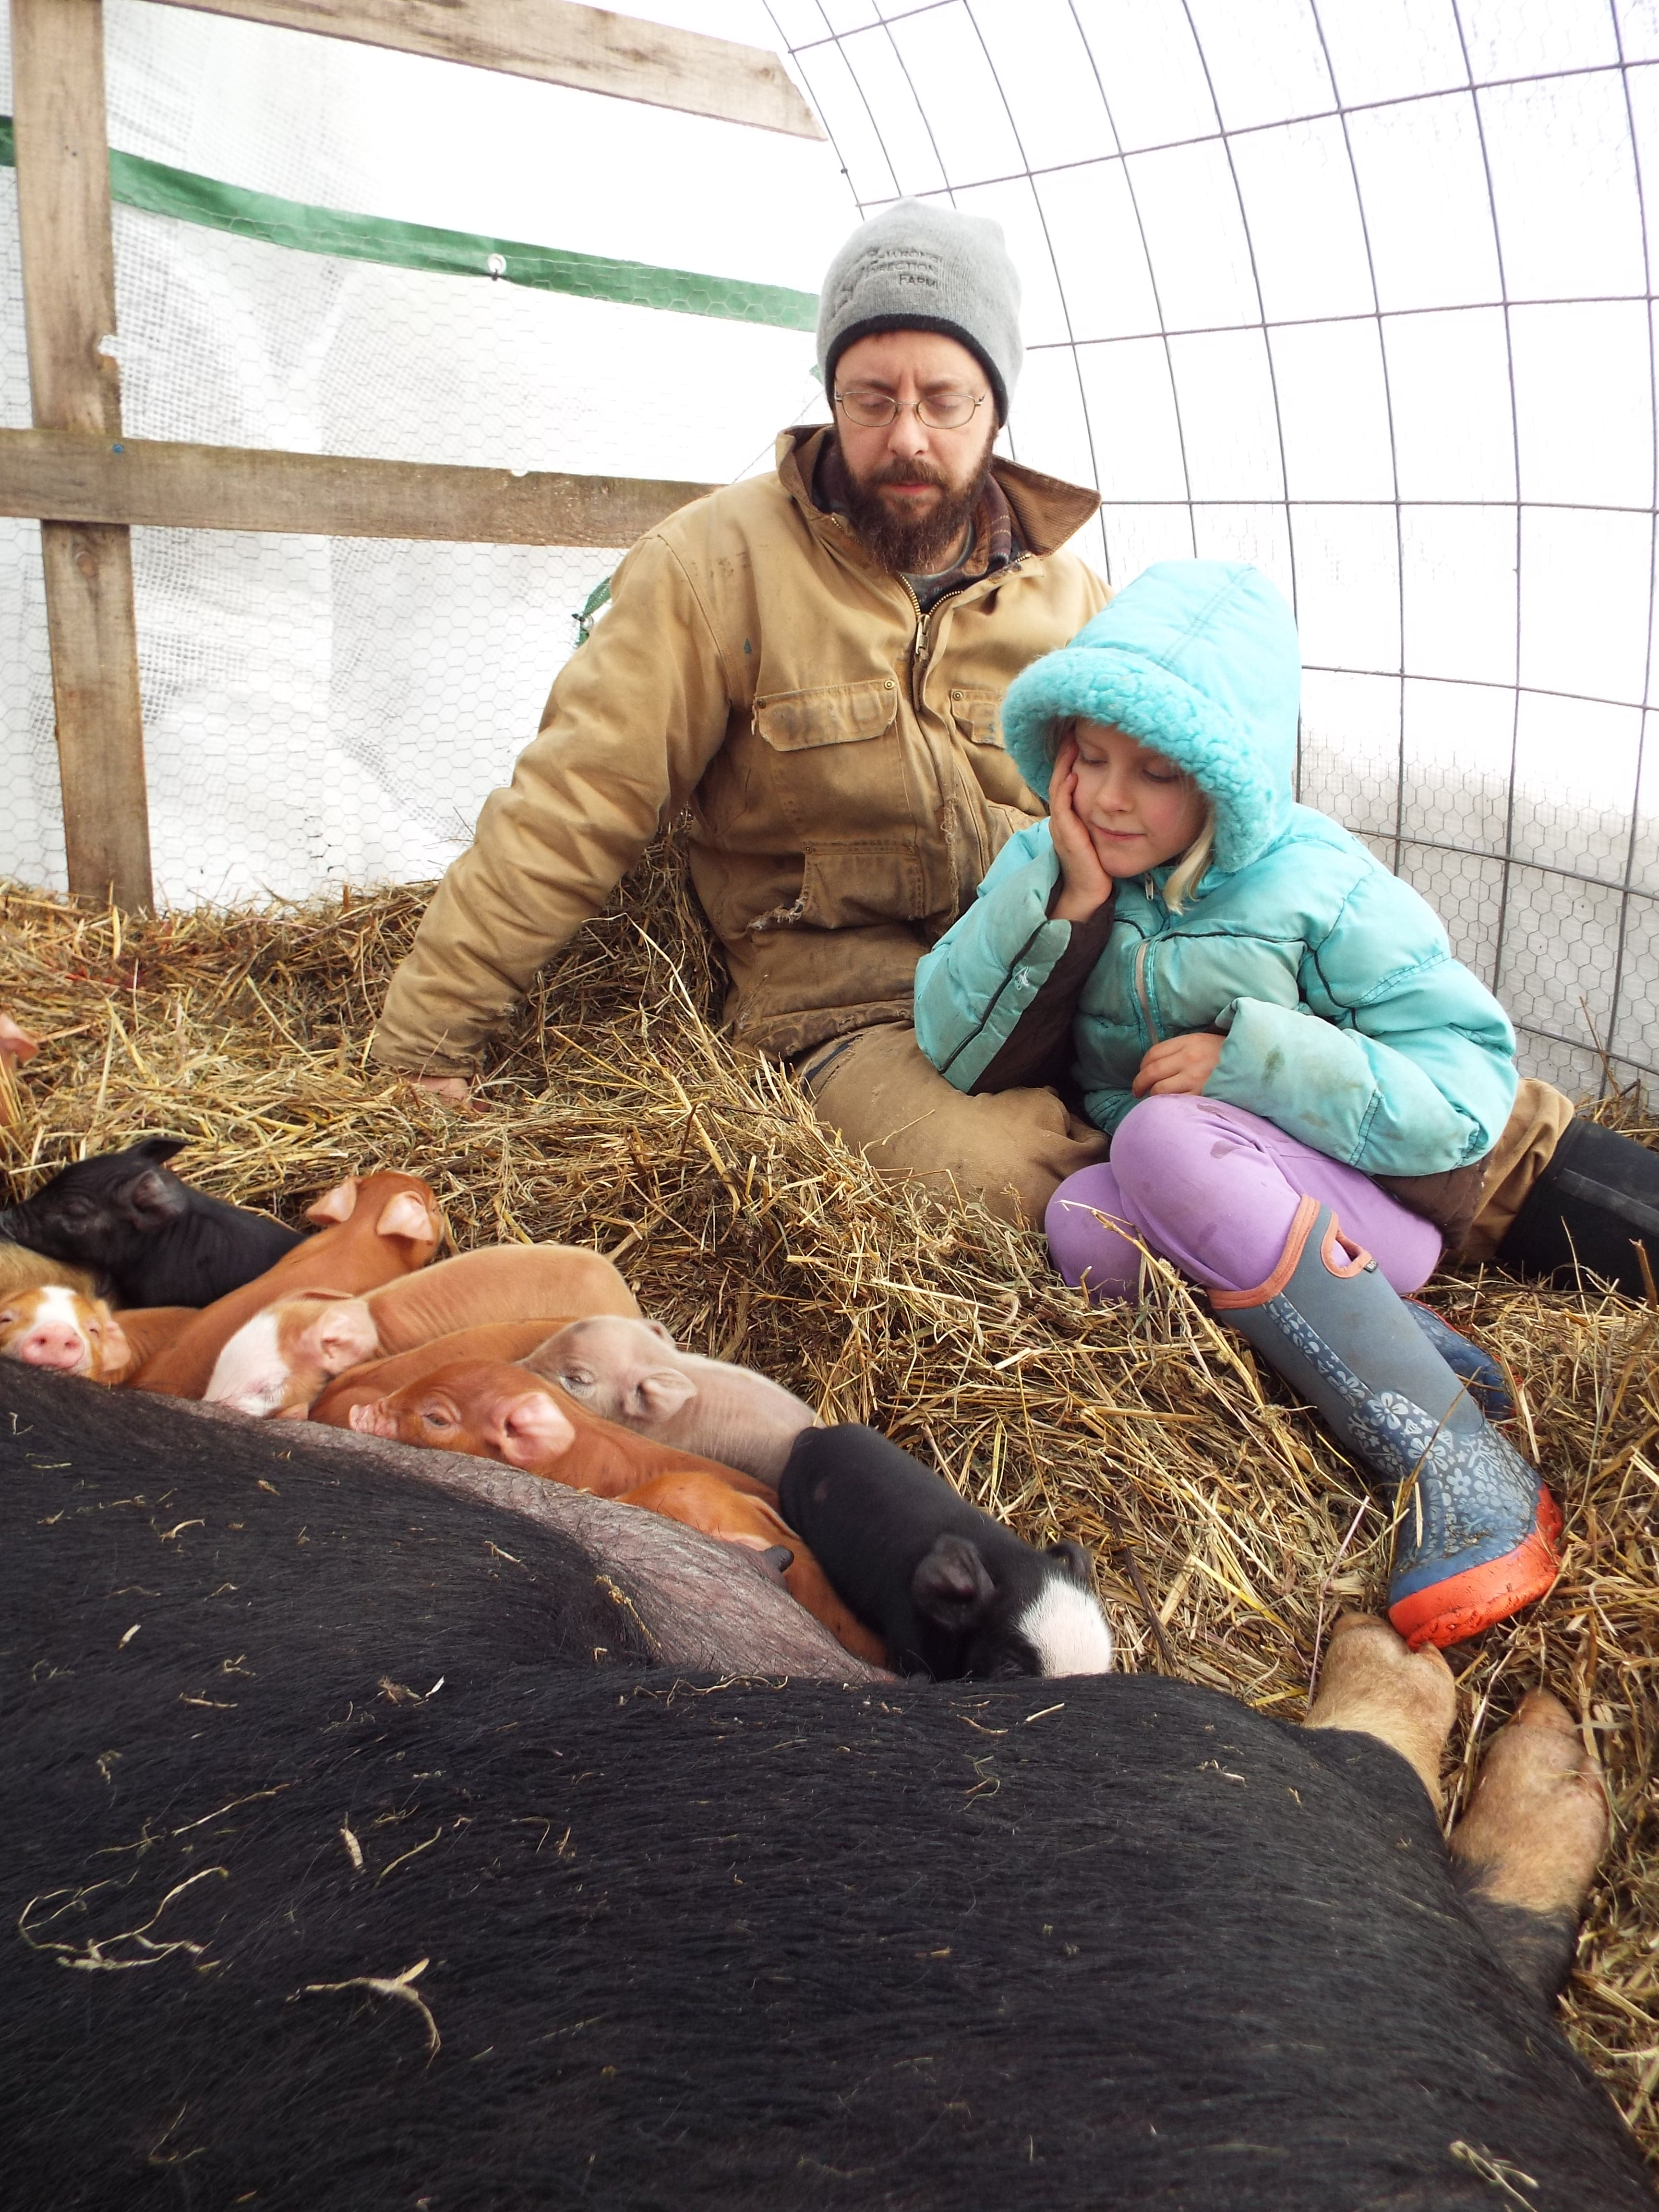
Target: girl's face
column 1140, row 809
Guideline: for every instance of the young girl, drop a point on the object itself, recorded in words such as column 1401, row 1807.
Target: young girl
column 1270, row 1028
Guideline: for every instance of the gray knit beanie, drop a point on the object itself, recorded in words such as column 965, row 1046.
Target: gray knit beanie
column 918, row 267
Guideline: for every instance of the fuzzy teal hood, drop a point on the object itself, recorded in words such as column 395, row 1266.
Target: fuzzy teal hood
column 1198, row 659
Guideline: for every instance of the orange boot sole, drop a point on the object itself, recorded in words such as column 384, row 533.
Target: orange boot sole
column 1453, row 1611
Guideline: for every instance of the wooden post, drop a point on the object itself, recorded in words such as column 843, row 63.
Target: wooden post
column 69, row 303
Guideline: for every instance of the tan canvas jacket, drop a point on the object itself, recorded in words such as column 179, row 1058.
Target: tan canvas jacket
column 838, row 753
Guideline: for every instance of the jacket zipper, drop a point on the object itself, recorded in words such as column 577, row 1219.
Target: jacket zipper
column 1141, row 951
column 919, row 669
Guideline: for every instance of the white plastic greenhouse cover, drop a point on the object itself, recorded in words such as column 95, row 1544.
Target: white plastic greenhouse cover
column 1359, row 290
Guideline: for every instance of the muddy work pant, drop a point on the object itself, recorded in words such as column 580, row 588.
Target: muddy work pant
column 1012, row 1150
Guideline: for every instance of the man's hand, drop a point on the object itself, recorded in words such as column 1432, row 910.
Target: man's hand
column 454, row 1089
column 1179, row 1064
column 1084, row 885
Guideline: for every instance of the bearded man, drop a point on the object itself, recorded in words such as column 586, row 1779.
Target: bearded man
column 811, row 663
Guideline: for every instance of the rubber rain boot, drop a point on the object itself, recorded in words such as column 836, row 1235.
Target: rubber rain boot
column 1594, row 1209
column 1477, row 1529
column 1485, row 1378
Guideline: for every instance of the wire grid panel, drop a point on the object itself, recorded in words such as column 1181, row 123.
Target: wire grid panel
column 1358, row 291
column 320, row 711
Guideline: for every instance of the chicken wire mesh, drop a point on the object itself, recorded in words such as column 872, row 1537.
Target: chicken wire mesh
column 320, row 711
column 1359, row 290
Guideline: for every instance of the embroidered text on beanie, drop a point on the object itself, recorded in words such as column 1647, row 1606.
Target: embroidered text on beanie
column 917, row 267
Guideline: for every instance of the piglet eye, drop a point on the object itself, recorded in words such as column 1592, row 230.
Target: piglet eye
column 574, row 1379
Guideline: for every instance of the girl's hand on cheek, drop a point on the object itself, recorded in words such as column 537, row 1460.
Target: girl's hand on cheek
column 1179, row 1064
column 1084, row 885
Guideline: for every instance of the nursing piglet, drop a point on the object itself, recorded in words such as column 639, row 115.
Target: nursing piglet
column 701, row 1502
column 949, row 1590
column 152, row 1240
column 498, row 1341
column 16, row 1046
column 633, row 1373
column 54, row 1326
column 277, row 1362
column 497, row 1410
column 370, row 1229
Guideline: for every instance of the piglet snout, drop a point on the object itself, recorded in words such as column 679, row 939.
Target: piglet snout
column 55, row 1344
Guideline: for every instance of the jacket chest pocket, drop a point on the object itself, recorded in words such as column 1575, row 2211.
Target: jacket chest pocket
column 837, row 758
column 974, row 713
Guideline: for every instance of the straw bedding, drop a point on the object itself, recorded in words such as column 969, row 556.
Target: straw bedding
column 617, row 1117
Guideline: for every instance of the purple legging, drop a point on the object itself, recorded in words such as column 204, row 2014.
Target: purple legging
column 1214, row 1189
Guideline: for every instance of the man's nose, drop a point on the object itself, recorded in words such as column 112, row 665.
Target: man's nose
column 907, row 441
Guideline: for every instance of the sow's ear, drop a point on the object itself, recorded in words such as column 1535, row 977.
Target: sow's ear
column 1076, row 1562
column 951, row 1586
column 336, row 1205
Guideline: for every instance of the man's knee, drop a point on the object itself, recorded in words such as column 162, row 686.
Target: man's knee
column 1012, row 1150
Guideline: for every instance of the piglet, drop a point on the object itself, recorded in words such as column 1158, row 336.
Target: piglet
column 277, row 1362
column 497, row 1410
column 950, row 1591
column 701, row 1502
column 633, row 1373
column 371, row 1230
column 55, row 1327
column 23, row 1270
column 16, row 1047
column 379, row 1379
column 149, row 1330
column 152, row 1240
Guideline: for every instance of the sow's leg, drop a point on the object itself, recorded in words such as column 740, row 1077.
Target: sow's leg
column 1527, row 1846
column 1371, row 1683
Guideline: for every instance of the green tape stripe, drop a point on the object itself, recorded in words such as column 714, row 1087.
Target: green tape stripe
column 160, row 190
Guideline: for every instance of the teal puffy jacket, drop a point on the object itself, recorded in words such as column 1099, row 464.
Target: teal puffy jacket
column 1347, row 1021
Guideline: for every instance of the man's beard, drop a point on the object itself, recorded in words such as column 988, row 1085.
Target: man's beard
column 920, row 545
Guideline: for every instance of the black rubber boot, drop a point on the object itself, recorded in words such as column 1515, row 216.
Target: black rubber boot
column 1590, row 1212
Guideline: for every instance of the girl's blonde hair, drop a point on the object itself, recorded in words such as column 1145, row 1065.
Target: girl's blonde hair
column 1184, row 877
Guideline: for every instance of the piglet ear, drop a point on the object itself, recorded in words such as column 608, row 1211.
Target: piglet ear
column 15, row 1043
column 1076, row 1562
column 156, row 1152
column 951, row 1587
column 657, row 1329
column 656, row 1396
column 776, row 1560
column 117, row 1350
column 529, row 1430
column 343, row 1335
column 336, row 1205
column 407, row 1215
column 154, row 1199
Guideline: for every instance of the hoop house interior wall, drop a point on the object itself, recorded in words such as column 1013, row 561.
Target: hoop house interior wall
column 1356, row 289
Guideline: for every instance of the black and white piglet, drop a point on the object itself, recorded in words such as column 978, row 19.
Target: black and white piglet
column 150, row 1238
column 950, row 1591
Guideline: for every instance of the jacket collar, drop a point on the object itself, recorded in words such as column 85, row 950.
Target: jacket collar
column 1046, row 511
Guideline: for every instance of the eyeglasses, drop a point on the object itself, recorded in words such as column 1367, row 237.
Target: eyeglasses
column 951, row 410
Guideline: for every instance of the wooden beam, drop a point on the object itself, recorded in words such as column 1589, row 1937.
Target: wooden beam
column 69, row 306
column 561, row 43
column 101, row 481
